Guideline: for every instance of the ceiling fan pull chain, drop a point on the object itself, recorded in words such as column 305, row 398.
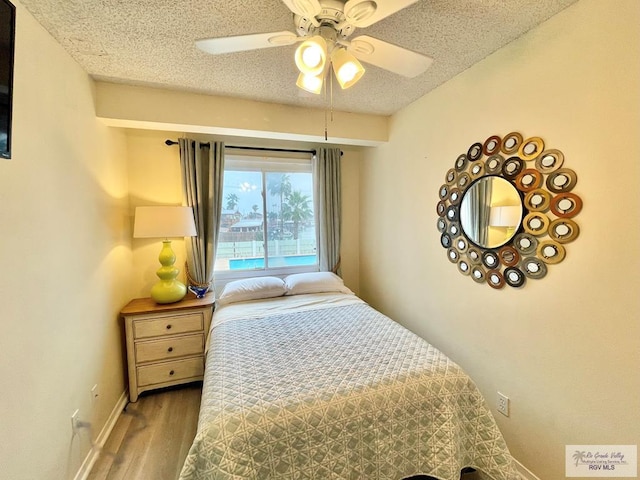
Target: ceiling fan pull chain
column 325, row 112
column 331, row 93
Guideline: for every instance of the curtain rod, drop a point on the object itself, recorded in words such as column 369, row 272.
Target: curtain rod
column 262, row 149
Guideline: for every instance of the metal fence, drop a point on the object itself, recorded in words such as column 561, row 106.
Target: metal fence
column 255, row 248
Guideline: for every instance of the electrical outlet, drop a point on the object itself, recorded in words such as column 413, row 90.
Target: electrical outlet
column 75, row 421
column 503, row 404
column 95, row 394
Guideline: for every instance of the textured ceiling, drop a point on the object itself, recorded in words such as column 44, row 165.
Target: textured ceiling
column 151, row 42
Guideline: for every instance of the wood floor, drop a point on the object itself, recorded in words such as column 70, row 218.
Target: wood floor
column 152, row 438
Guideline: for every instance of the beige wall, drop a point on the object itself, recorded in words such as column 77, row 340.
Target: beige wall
column 159, row 109
column 565, row 349
column 154, row 178
column 349, row 245
column 66, row 263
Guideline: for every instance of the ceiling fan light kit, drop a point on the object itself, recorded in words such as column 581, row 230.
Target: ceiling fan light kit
column 323, row 28
column 311, row 60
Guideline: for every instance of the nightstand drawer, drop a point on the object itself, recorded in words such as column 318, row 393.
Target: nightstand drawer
column 169, row 325
column 170, row 371
column 169, row 348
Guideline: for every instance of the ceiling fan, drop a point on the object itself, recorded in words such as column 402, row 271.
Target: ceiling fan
column 323, row 28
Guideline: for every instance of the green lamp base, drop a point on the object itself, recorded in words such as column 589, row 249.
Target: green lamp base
column 168, row 289
column 168, row 292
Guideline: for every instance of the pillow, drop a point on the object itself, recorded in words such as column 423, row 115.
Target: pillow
column 315, row 282
column 251, row 289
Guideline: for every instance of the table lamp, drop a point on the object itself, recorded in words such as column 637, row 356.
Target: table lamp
column 165, row 222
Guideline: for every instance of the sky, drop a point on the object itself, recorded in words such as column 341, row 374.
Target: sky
column 247, row 186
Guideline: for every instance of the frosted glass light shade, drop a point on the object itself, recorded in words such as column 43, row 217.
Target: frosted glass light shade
column 347, row 68
column 310, row 83
column 311, row 56
column 164, row 222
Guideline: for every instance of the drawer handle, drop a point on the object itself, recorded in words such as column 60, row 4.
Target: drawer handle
column 169, row 327
column 170, row 349
column 171, row 372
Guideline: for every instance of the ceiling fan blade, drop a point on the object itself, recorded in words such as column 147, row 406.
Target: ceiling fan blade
column 217, row 46
column 305, row 8
column 362, row 13
column 390, row 57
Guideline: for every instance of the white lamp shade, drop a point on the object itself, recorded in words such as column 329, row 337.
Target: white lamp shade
column 347, row 68
column 505, row 216
column 164, row 222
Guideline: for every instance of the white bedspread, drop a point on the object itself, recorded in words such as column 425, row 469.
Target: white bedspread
column 325, row 387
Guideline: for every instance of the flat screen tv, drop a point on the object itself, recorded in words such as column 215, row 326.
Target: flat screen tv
column 7, row 47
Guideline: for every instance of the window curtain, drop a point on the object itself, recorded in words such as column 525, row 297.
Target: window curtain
column 477, row 210
column 202, row 168
column 484, row 211
column 469, row 207
column 326, row 173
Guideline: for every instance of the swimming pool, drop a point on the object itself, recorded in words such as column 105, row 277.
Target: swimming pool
column 284, row 261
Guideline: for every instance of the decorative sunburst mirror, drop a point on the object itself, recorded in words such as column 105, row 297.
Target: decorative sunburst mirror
column 506, row 210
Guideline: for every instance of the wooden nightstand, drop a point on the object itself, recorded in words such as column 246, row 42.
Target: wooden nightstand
column 165, row 343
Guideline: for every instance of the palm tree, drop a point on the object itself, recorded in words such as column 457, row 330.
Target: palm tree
column 297, row 210
column 232, row 201
column 280, row 187
column 579, row 456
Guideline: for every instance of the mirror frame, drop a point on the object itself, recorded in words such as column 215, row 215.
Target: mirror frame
column 522, row 261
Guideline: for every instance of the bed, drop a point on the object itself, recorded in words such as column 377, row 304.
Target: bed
column 304, row 380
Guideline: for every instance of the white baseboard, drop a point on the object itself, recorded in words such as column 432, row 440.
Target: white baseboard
column 94, row 453
column 524, row 472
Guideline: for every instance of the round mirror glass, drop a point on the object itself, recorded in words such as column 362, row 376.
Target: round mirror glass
column 491, row 212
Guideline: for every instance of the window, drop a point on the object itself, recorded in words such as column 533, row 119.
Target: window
column 268, row 217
